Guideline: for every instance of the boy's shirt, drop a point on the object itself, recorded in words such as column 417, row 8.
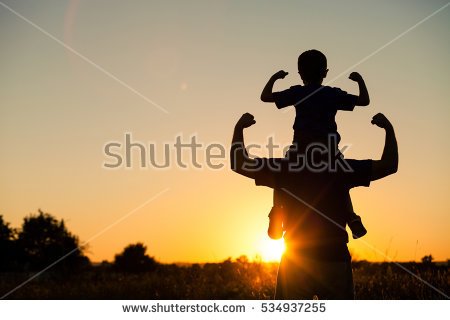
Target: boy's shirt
column 316, row 108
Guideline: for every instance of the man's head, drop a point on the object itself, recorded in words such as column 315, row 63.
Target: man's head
column 312, row 66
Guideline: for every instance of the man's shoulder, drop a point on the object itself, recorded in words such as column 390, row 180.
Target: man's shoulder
column 357, row 173
column 267, row 171
column 269, row 163
column 356, row 163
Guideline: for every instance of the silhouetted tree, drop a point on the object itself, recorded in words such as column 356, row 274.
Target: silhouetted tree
column 45, row 240
column 6, row 232
column 134, row 259
column 9, row 252
column 428, row 260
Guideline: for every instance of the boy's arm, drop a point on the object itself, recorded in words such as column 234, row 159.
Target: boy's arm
column 266, row 94
column 363, row 98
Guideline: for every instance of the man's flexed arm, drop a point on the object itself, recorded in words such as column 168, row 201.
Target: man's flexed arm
column 266, row 94
column 389, row 159
column 238, row 154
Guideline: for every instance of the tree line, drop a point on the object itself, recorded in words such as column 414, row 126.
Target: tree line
column 43, row 241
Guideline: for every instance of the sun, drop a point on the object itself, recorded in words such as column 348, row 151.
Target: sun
column 271, row 250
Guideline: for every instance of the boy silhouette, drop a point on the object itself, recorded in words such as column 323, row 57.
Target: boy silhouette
column 316, row 107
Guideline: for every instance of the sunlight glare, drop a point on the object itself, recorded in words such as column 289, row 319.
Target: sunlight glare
column 271, row 250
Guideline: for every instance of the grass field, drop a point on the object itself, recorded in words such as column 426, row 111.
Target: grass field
column 239, row 279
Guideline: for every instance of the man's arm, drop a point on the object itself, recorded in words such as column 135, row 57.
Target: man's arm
column 389, row 159
column 266, row 94
column 363, row 98
column 240, row 161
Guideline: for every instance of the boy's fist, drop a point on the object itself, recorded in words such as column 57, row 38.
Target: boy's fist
column 381, row 121
column 355, row 76
column 280, row 74
column 246, row 120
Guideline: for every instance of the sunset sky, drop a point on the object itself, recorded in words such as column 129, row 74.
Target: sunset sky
column 88, row 72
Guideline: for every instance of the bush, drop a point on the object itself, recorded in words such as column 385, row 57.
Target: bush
column 134, row 259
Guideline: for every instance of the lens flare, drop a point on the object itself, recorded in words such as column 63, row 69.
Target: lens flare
column 271, row 250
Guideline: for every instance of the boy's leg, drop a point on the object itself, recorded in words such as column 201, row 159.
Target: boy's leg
column 354, row 221
column 275, row 230
column 276, row 215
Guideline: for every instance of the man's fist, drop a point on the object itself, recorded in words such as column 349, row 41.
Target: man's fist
column 355, row 76
column 246, row 121
column 381, row 121
column 280, row 74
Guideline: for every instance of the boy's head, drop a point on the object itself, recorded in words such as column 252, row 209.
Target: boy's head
column 312, row 66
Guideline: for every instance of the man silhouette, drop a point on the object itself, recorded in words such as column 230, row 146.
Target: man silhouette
column 317, row 261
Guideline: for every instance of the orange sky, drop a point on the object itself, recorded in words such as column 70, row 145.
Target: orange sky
column 206, row 65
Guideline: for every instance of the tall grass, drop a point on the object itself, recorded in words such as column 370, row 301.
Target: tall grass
column 239, row 279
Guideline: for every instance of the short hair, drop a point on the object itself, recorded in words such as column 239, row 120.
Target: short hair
column 311, row 65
